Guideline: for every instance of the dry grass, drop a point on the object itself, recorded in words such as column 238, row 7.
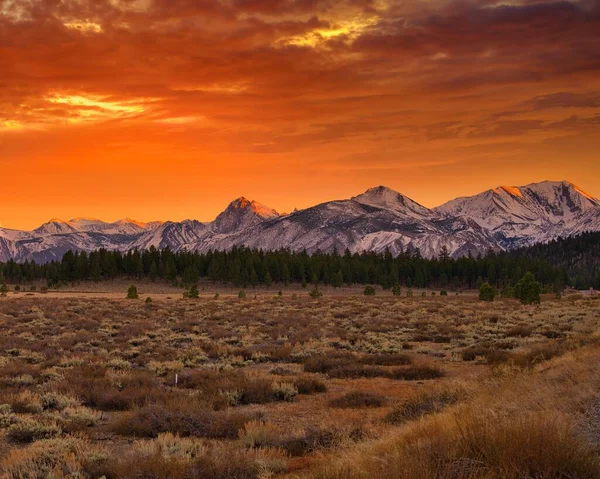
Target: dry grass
column 340, row 387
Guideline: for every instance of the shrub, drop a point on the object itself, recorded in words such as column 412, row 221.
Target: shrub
column 421, row 405
column 173, row 457
column 416, row 373
column 308, row 385
column 443, row 293
column 519, row 331
column 259, row 434
column 132, row 292
column 358, row 399
column 242, row 295
column 315, row 292
column 486, row 292
column 369, row 291
column 180, row 416
column 396, row 290
column 192, row 293
column 64, row 457
column 527, row 290
column 387, row 360
column 148, row 300
column 29, row 430
column 25, row 402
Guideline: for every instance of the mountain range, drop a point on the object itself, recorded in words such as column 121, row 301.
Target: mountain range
column 502, row 218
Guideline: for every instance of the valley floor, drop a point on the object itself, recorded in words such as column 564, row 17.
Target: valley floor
column 344, row 386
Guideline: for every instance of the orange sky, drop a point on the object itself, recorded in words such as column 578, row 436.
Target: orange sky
column 169, row 109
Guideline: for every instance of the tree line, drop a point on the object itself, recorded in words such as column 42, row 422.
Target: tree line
column 244, row 267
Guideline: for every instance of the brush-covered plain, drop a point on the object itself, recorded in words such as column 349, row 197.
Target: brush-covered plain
column 338, row 387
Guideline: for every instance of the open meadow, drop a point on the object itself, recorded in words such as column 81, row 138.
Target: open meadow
column 343, row 386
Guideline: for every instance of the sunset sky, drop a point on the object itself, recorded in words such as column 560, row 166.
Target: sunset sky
column 170, row 109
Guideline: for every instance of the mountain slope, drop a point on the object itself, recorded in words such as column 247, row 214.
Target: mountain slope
column 379, row 219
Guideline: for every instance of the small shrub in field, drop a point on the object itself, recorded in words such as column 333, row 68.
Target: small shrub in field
column 148, row 300
column 180, row 416
column 315, row 292
column 539, row 354
column 387, row 360
column 416, row 373
column 420, row 406
column 369, row 291
column 50, row 458
column 259, row 434
column 519, row 331
column 486, row 292
column 491, row 355
column 132, row 292
column 396, row 290
column 192, row 293
column 26, row 402
column 284, row 391
column 29, row 430
column 443, row 293
column 308, row 385
column 358, row 399
column 173, row 457
column 79, row 418
column 242, row 295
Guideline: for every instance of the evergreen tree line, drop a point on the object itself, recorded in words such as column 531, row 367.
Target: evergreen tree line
column 578, row 255
column 244, row 267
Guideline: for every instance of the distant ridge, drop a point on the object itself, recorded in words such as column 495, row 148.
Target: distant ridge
column 379, row 219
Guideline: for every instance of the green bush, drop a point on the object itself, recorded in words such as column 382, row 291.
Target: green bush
column 192, row 293
column 132, row 292
column 315, row 292
column 369, row 291
column 486, row 292
column 528, row 290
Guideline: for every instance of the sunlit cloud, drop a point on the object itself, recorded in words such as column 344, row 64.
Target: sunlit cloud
column 12, row 125
column 181, row 120
column 349, row 29
column 90, row 108
column 226, row 88
column 84, row 26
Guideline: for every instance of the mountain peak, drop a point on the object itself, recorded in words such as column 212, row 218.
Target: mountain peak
column 55, row 226
column 255, row 207
column 241, row 213
column 388, row 199
column 129, row 221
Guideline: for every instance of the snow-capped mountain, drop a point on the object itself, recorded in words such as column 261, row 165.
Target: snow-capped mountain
column 538, row 212
column 377, row 220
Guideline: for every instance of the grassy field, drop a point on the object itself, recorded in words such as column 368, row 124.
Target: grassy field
column 344, row 386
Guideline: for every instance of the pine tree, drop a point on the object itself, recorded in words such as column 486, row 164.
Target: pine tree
column 528, row 290
column 132, row 292
column 338, row 279
column 486, row 292
column 369, row 291
column 192, row 293
column 3, row 289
